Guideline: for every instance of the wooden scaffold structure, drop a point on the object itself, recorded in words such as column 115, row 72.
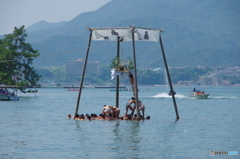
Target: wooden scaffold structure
column 131, row 33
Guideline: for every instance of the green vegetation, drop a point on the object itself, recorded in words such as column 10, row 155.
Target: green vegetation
column 16, row 57
column 149, row 77
column 187, row 73
column 234, row 80
column 123, row 65
column 145, row 77
column 198, row 33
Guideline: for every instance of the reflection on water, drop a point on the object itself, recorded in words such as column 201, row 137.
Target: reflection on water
column 126, row 139
column 38, row 126
column 167, row 142
column 134, row 139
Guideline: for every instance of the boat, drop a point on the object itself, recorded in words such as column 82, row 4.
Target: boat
column 198, row 94
column 170, row 93
column 73, row 89
column 28, row 93
column 8, row 93
column 4, row 97
column 121, row 89
column 106, row 87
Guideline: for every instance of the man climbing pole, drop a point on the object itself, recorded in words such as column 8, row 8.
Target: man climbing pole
column 131, row 78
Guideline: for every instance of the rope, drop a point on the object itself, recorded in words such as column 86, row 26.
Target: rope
column 56, row 53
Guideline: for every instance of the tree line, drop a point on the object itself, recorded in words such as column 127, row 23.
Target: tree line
column 16, row 58
column 145, row 76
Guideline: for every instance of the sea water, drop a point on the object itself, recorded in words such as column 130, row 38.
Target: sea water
column 37, row 127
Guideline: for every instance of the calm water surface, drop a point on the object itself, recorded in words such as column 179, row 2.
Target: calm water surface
column 37, row 127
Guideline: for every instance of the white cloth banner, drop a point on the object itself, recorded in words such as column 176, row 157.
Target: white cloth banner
column 126, row 35
column 118, row 73
column 146, row 35
column 112, row 34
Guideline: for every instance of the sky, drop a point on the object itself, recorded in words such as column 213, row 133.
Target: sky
column 27, row 12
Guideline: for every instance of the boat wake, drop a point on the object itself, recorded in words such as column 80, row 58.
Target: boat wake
column 224, row 97
column 165, row 95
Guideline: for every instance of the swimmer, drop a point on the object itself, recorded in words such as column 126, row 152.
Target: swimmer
column 116, row 112
column 129, row 117
column 100, row 117
column 125, row 117
column 148, row 117
column 69, row 116
column 135, row 117
column 89, row 118
column 94, row 116
column 109, row 116
column 81, row 117
column 76, row 117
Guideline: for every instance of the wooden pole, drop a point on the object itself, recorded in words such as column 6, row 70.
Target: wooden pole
column 83, row 72
column 169, row 78
column 135, row 72
column 117, row 79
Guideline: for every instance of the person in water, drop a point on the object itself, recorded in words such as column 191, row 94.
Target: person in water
column 141, row 107
column 107, row 109
column 148, row 117
column 116, row 112
column 109, row 116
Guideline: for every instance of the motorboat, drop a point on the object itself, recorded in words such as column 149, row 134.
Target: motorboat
column 198, row 94
column 8, row 94
column 170, row 93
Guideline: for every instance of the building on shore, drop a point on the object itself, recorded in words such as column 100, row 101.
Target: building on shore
column 76, row 67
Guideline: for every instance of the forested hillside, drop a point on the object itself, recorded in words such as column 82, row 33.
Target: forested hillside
column 196, row 33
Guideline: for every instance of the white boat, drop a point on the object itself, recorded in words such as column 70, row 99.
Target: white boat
column 28, row 93
column 198, row 94
column 8, row 94
column 4, row 97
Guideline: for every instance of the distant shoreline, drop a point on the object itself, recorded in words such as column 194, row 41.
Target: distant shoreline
column 126, row 86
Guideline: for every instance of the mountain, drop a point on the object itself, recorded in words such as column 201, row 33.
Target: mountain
column 43, row 25
column 196, row 33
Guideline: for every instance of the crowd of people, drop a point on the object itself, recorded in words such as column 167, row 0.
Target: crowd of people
column 6, row 92
column 113, row 113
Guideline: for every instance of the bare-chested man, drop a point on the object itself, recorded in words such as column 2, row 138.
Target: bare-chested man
column 116, row 112
column 107, row 109
column 140, row 106
column 131, row 78
column 129, row 105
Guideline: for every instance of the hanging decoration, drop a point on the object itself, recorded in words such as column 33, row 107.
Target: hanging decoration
column 141, row 34
column 121, row 67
